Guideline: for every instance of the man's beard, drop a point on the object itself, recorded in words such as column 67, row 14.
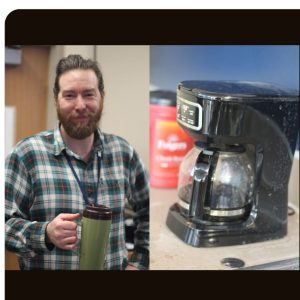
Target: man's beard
column 79, row 130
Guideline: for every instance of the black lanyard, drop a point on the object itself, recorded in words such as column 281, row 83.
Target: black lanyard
column 81, row 186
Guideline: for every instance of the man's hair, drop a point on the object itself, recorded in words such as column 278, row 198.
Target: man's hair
column 74, row 62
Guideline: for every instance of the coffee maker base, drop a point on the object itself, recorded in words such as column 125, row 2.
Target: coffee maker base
column 201, row 235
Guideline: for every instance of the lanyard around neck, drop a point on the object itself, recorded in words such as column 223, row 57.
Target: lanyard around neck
column 81, row 186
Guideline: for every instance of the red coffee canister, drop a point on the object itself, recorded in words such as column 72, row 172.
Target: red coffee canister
column 168, row 141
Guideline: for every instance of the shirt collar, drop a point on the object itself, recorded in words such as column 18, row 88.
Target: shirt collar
column 59, row 145
column 99, row 142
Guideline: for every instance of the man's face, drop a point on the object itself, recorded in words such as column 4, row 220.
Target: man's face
column 79, row 103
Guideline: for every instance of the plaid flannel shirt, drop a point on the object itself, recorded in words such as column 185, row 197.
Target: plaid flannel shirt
column 39, row 185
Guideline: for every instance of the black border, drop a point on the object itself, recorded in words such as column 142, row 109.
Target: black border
column 152, row 27
column 149, row 27
column 109, row 285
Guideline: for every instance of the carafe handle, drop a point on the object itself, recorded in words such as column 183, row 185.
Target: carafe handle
column 201, row 183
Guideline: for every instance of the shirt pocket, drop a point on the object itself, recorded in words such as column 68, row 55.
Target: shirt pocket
column 112, row 194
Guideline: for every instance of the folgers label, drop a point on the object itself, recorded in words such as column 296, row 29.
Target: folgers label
column 168, row 141
column 170, row 146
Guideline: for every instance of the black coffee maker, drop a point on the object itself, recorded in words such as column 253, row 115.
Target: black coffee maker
column 233, row 185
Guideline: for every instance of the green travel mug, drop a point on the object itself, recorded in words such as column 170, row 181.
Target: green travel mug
column 95, row 228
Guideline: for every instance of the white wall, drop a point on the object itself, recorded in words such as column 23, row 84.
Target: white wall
column 10, row 128
column 126, row 105
column 126, row 81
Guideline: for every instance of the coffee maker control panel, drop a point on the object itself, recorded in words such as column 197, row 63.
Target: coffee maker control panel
column 189, row 113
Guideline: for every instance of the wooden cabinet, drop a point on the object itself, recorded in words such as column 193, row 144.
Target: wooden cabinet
column 26, row 88
column 11, row 261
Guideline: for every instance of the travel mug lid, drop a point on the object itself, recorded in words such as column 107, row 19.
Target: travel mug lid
column 97, row 212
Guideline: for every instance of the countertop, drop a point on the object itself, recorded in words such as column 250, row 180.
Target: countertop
column 168, row 252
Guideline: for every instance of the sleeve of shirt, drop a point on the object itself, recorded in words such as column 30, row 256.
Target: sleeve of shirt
column 22, row 235
column 139, row 201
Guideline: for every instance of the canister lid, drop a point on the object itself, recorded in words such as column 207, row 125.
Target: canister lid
column 97, row 212
column 163, row 98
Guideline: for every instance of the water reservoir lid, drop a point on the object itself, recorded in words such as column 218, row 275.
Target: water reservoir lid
column 239, row 89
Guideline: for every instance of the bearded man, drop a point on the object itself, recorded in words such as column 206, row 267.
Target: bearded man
column 52, row 176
